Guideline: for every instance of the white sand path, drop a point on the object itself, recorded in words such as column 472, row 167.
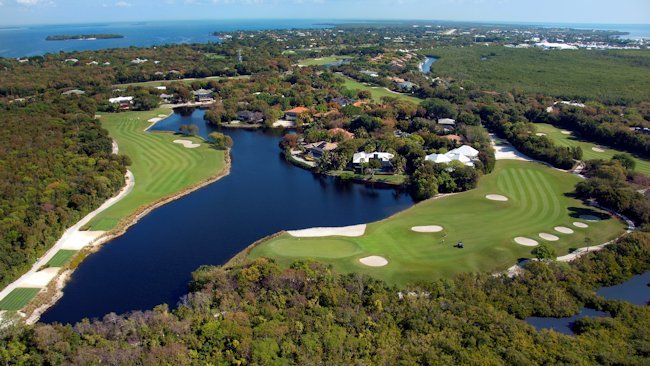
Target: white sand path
column 563, row 230
column 70, row 238
column 427, row 229
column 497, row 197
column 349, row 231
column 374, row 261
column 526, row 241
column 548, row 237
column 187, row 144
column 580, row 225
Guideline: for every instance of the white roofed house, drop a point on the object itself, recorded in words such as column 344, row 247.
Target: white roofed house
column 447, row 122
column 438, row 158
column 464, row 154
column 361, row 158
column 466, row 150
column 124, row 102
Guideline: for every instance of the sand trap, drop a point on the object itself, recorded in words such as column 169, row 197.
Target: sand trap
column 427, row 229
column 581, row 225
column 564, row 132
column 591, row 218
column 187, row 144
column 563, row 230
column 162, row 116
column 540, row 134
column 374, row 261
column 80, row 239
column 526, row 242
column 496, row 197
column 155, row 120
column 598, row 149
column 350, row 231
column 39, row 279
column 548, row 237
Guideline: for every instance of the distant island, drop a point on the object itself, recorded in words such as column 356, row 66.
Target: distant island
column 83, row 37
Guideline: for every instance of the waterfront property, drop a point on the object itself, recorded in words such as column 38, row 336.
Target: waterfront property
column 203, row 95
column 293, row 114
column 537, row 202
column 465, row 154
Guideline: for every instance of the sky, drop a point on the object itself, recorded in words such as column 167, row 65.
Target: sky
column 18, row 12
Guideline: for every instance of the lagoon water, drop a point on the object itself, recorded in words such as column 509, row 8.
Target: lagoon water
column 425, row 67
column 151, row 264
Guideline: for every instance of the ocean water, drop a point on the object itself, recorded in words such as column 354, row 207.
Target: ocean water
column 30, row 40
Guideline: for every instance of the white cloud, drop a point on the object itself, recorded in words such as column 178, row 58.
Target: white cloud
column 122, row 4
column 27, row 2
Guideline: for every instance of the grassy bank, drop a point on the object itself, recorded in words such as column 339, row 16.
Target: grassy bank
column 161, row 167
column 379, row 92
column 537, row 204
column 604, row 75
column 590, row 151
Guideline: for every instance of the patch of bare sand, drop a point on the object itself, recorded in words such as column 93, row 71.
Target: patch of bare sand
column 350, row 231
column 374, row 261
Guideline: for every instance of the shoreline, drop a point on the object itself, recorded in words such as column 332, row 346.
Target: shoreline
column 53, row 292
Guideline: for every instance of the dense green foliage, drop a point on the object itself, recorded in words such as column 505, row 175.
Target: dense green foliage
column 259, row 314
column 608, row 76
column 55, row 166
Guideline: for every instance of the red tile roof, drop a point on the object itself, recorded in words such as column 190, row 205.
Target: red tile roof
column 298, row 110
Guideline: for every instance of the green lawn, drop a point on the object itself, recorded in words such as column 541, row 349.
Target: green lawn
column 184, row 81
column 537, row 203
column 161, row 167
column 395, row 179
column 378, row 92
column 61, row 258
column 18, row 298
column 321, row 61
column 555, row 134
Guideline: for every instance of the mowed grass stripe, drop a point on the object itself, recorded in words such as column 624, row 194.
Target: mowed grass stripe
column 61, row 258
column 18, row 298
column 161, row 167
column 536, row 204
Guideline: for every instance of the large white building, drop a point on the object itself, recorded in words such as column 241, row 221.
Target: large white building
column 464, row 154
column 363, row 157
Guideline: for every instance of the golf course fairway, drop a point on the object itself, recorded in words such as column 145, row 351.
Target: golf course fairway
column 161, row 167
column 537, row 203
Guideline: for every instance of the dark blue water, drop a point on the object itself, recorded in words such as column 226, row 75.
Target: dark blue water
column 152, row 262
column 426, row 66
column 634, row 290
column 30, row 40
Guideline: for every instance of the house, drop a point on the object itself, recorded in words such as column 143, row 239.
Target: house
column 372, row 74
column 339, row 131
column 466, row 150
column 438, row 158
column 447, row 122
column 203, row 95
column 461, row 158
column 162, row 87
column 292, row 114
column 342, row 101
column 74, row 92
column 406, row 86
column 250, row 117
column 361, row 158
column 455, row 138
column 124, row 102
column 167, row 98
column 316, row 150
column 333, row 112
column 139, row 60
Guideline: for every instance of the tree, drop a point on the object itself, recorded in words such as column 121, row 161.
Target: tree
column 544, row 252
column 364, row 94
column 189, row 130
column 439, row 108
column 626, row 160
column 220, row 141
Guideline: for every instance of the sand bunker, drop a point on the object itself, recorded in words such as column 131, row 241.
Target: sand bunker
column 565, row 132
column 162, row 116
column 350, row 231
column 526, row 242
column 427, row 229
column 374, row 261
column 155, row 120
column 591, row 218
column 187, row 144
column 563, row 230
column 540, row 134
column 80, row 239
column 548, row 237
column 581, row 225
column 598, row 149
column 496, row 197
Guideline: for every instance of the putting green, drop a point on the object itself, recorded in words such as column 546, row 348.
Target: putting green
column 537, row 203
column 316, row 247
column 161, row 167
column 555, row 134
